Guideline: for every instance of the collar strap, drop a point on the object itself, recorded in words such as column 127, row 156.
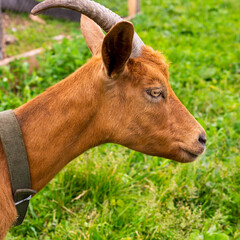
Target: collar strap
column 17, row 161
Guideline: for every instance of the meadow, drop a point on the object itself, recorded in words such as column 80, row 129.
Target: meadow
column 111, row 192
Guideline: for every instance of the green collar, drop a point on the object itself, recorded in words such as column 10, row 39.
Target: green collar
column 17, row 161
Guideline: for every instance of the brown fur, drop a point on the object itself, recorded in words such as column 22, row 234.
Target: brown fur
column 89, row 108
column 92, row 34
column 8, row 212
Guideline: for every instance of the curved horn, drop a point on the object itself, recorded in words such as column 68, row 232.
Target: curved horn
column 104, row 17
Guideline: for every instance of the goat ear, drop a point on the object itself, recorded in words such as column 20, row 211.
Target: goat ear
column 92, row 33
column 117, row 47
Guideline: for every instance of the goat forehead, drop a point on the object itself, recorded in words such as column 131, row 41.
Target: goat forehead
column 153, row 56
column 158, row 70
column 151, row 66
column 145, row 73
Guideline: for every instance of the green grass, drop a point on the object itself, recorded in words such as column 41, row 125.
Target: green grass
column 20, row 26
column 27, row 32
column 127, row 195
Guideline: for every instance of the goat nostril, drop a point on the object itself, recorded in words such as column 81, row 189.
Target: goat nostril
column 202, row 139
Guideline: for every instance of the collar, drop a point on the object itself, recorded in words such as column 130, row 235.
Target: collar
column 17, row 161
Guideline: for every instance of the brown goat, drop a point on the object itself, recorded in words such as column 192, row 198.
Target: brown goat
column 112, row 98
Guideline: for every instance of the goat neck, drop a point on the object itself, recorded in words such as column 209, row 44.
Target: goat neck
column 59, row 124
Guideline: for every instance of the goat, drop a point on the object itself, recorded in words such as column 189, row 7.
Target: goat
column 121, row 95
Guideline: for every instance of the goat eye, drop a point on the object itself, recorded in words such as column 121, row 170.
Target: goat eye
column 155, row 93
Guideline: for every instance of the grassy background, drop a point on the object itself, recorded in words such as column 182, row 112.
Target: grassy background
column 21, row 27
column 127, row 195
column 27, row 32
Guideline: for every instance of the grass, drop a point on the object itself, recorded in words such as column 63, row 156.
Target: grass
column 111, row 192
column 20, row 26
column 27, row 32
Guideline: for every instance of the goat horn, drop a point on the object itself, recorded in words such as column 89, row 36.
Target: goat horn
column 104, row 17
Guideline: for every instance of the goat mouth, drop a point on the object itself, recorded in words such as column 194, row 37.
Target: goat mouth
column 190, row 154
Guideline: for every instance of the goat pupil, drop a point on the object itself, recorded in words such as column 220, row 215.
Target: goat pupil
column 156, row 93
